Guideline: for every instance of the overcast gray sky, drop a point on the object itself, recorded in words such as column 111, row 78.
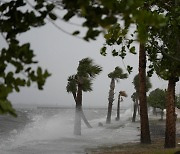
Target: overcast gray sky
column 60, row 54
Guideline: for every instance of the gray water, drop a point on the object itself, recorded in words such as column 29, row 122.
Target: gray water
column 50, row 131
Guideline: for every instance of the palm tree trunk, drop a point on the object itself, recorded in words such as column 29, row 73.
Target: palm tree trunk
column 145, row 133
column 170, row 134
column 111, row 99
column 138, row 108
column 135, row 110
column 118, row 108
column 77, row 123
column 85, row 119
column 162, row 114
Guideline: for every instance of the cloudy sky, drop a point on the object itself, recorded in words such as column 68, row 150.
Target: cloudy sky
column 60, row 54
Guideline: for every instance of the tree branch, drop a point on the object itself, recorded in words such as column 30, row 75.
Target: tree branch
column 51, row 21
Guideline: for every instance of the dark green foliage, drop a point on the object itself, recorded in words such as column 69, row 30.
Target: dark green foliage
column 165, row 56
column 114, row 18
column 86, row 68
column 136, row 84
column 72, row 84
column 104, row 14
column 52, row 16
column 16, row 59
column 157, row 98
column 116, row 35
column 75, row 33
column 103, row 51
column 177, row 101
column 129, row 69
column 86, row 72
column 118, row 74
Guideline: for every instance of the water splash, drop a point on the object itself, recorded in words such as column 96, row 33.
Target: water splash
column 42, row 129
column 53, row 133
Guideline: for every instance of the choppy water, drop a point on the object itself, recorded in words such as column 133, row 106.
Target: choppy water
column 50, row 131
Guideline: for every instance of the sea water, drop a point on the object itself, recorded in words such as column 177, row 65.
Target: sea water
column 50, row 131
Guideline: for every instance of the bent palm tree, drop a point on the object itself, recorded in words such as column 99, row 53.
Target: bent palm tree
column 115, row 75
column 82, row 81
column 120, row 99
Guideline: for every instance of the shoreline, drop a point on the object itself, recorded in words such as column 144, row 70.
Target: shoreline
column 157, row 130
column 156, row 147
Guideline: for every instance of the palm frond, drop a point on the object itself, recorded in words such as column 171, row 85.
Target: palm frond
column 123, row 93
column 118, row 74
column 87, row 85
column 86, row 71
column 72, row 84
column 87, row 68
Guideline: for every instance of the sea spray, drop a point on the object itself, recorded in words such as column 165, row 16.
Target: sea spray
column 51, row 131
column 43, row 128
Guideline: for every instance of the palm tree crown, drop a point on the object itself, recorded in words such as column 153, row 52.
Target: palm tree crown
column 86, row 72
column 88, row 69
column 117, row 74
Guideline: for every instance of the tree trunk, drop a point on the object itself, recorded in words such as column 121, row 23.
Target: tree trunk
column 170, row 134
column 162, row 114
column 79, row 112
column 111, row 99
column 85, row 120
column 138, row 108
column 77, row 122
column 78, row 100
column 154, row 111
column 135, row 110
column 145, row 133
column 118, row 108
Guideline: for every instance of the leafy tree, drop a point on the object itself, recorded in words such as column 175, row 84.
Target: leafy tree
column 115, row 75
column 163, row 49
column 157, row 99
column 120, row 99
column 17, row 59
column 82, row 82
column 100, row 15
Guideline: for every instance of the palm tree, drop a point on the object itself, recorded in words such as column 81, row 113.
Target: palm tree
column 115, row 75
column 120, row 99
column 82, row 82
